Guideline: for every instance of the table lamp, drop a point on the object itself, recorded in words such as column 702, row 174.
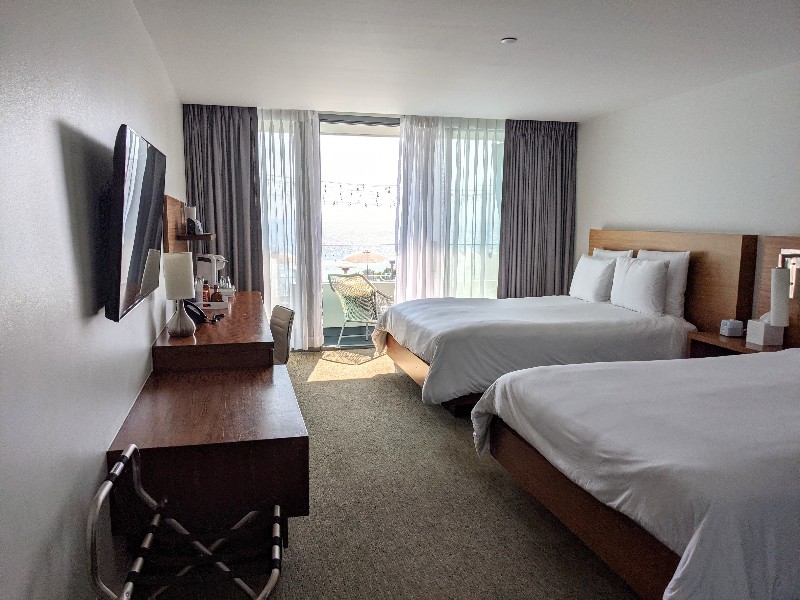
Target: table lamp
column 179, row 279
column 768, row 330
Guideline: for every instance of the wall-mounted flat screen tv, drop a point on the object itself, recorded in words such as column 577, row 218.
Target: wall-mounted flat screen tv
column 135, row 225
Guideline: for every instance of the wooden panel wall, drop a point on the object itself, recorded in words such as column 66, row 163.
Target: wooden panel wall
column 174, row 225
column 721, row 269
column 771, row 248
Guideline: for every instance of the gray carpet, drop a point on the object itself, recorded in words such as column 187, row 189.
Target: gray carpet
column 402, row 507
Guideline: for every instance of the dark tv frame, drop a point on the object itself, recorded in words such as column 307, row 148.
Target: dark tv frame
column 114, row 225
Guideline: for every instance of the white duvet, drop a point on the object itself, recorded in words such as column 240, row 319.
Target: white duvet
column 470, row 342
column 702, row 453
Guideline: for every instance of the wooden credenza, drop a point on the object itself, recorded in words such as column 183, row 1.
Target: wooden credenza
column 219, row 428
column 239, row 340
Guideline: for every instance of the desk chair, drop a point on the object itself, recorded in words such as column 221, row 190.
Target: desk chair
column 280, row 323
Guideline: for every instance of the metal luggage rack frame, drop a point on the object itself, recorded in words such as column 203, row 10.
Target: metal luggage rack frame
column 204, row 555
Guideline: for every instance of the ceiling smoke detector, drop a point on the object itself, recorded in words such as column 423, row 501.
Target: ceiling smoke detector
column 508, row 40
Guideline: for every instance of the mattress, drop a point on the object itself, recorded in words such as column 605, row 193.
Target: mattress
column 470, row 342
column 702, row 453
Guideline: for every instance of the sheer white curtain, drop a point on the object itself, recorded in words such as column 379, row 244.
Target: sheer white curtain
column 448, row 209
column 291, row 217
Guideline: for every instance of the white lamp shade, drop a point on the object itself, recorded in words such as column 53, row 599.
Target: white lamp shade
column 779, row 298
column 178, row 275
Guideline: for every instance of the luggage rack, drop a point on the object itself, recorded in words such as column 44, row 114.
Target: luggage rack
column 153, row 571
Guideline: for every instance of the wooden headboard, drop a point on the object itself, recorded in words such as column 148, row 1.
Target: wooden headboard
column 721, row 269
column 771, row 247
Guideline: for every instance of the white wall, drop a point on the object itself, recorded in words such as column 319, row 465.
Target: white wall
column 725, row 158
column 71, row 73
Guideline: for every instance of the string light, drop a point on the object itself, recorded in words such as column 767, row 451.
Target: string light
column 377, row 195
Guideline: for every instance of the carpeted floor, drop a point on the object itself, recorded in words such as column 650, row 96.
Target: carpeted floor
column 402, row 507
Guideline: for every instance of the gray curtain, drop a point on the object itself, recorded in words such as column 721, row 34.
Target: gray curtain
column 222, row 180
column 537, row 217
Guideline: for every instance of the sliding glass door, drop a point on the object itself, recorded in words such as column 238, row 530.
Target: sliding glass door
column 359, row 196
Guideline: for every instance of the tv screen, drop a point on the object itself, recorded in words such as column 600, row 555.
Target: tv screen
column 135, row 225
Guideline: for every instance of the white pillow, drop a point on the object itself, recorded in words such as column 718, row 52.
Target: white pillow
column 601, row 253
column 677, row 275
column 592, row 279
column 640, row 285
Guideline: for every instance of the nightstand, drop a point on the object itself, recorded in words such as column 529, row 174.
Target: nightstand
column 701, row 344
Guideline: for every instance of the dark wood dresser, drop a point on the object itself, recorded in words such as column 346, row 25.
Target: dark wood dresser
column 219, row 428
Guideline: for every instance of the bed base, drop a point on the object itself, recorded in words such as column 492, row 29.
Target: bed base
column 645, row 564
column 463, row 405
column 416, row 368
column 411, row 364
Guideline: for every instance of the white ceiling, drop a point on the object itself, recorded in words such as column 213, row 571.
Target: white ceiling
column 574, row 59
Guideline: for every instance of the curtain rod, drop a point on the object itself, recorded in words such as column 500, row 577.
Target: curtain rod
column 359, row 119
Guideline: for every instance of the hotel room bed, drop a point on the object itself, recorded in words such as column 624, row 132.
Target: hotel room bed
column 704, row 454
column 455, row 348
column 470, row 342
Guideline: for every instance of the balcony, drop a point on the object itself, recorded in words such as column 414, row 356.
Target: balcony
column 475, row 277
column 380, row 274
column 333, row 318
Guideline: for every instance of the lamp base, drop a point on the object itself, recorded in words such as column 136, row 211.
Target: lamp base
column 180, row 325
column 764, row 334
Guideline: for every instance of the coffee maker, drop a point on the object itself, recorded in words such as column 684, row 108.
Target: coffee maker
column 208, row 267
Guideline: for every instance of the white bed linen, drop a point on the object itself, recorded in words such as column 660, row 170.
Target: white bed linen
column 702, row 453
column 470, row 342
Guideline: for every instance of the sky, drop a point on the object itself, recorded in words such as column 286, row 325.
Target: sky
column 359, row 187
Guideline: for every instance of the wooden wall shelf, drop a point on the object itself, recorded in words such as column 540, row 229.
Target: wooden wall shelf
column 175, row 238
column 201, row 237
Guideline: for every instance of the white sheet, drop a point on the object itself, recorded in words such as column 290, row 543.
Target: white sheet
column 470, row 342
column 703, row 453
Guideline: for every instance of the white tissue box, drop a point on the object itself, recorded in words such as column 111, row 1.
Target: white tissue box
column 731, row 328
column 764, row 334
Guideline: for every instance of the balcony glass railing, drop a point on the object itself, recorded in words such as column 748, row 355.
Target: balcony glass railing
column 334, row 260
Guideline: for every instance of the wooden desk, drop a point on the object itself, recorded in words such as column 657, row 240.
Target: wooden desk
column 702, row 344
column 241, row 340
column 216, row 442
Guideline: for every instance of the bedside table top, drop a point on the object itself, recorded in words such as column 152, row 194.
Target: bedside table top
column 735, row 344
